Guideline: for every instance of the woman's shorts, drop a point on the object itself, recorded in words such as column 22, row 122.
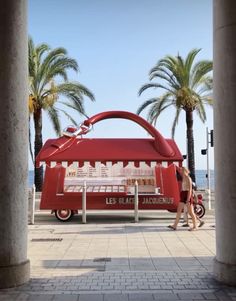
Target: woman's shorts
column 184, row 197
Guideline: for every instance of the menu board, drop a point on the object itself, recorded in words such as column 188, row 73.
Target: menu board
column 110, row 170
column 110, row 178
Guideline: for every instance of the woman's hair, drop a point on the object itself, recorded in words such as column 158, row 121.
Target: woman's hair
column 185, row 170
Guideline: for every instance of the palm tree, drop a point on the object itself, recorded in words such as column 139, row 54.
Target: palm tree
column 46, row 67
column 187, row 87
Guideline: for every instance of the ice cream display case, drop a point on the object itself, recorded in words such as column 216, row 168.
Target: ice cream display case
column 109, row 168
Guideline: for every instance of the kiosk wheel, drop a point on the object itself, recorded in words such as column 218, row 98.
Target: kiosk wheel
column 63, row 215
column 199, row 210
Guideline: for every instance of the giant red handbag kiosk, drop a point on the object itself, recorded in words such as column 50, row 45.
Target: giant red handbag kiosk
column 110, row 168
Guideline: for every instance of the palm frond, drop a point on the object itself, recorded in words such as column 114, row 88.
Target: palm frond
column 146, row 104
column 74, row 89
column 200, row 70
column 200, row 110
column 69, row 117
column 175, row 122
column 174, row 67
column 157, row 107
column 208, row 100
column 152, row 85
column 76, row 107
column 55, row 63
column 58, row 67
column 190, row 59
column 161, row 73
column 54, row 117
column 75, row 92
column 155, row 112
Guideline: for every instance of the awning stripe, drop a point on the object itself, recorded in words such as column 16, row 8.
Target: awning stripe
column 109, row 164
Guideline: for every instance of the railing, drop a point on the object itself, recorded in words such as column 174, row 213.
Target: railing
column 136, row 214
column 33, row 204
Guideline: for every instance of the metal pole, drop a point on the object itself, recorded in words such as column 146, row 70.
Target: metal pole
column 84, row 203
column 136, row 218
column 208, row 172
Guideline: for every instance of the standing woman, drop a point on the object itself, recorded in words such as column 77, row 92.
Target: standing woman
column 185, row 198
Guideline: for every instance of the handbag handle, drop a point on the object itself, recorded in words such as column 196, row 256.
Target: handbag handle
column 161, row 145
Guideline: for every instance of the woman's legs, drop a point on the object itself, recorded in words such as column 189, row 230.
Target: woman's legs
column 192, row 214
column 185, row 216
column 178, row 214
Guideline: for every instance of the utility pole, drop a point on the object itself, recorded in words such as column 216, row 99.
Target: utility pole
column 208, row 171
column 208, row 175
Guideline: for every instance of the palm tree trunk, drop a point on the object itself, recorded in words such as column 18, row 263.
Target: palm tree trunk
column 30, row 145
column 190, row 144
column 38, row 143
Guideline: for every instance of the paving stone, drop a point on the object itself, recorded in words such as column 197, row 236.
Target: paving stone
column 131, row 287
column 22, row 297
column 210, row 296
column 7, row 297
column 65, row 297
column 141, row 297
column 168, row 296
column 108, row 287
column 190, row 296
column 91, row 297
column 116, row 297
column 96, row 287
column 43, row 297
column 178, row 287
column 222, row 296
column 84, row 287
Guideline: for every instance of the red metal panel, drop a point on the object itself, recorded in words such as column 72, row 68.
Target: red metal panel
column 109, row 201
column 170, row 182
column 53, row 184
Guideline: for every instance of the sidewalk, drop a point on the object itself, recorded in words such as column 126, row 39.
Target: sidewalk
column 112, row 258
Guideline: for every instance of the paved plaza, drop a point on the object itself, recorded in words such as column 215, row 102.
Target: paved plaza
column 113, row 258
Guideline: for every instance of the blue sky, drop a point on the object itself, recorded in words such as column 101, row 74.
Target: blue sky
column 116, row 43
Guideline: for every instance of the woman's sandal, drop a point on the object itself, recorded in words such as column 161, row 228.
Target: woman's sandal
column 192, row 229
column 171, row 227
column 201, row 224
column 185, row 225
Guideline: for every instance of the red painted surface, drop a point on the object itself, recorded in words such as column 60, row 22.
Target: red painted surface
column 79, row 149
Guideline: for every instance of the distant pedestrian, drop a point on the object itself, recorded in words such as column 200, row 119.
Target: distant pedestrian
column 185, row 198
